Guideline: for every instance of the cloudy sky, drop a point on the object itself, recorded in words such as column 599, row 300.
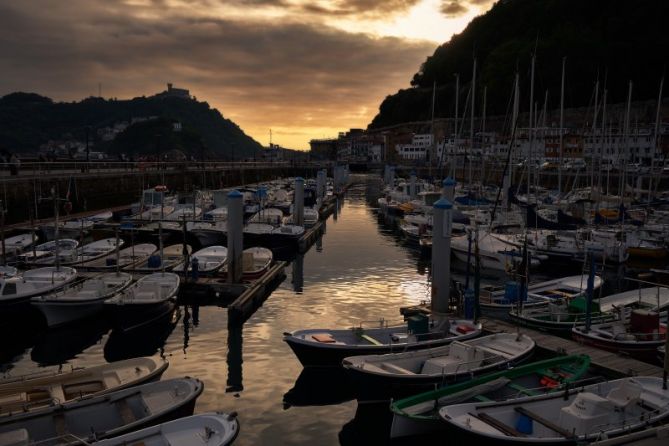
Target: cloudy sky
column 303, row 68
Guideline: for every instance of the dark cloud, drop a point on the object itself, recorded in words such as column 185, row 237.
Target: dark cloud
column 456, row 8
column 370, row 8
column 260, row 74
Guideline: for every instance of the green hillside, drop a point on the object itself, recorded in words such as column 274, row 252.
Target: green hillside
column 28, row 120
column 614, row 39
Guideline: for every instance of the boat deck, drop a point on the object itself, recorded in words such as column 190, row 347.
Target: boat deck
column 614, row 363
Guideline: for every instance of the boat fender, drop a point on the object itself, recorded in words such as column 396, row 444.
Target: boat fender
column 287, row 333
column 232, row 416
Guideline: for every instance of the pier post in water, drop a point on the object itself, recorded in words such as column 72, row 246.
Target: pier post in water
column 448, row 190
column 412, row 186
column 235, row 236
column 391, row 176
column 298, row 205
column 320, row 187
column 441, row 256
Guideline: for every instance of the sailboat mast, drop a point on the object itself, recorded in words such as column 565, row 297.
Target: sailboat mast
column 564, row 61
column 433, row 146
column 601, row 143
column 594, row 128
column 531, row 135
column 471, row 126
column 455, row 123
column 625, row 160
column 56, row 231
column 655, row 139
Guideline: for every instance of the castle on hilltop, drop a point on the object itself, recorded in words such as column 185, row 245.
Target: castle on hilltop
column 172, row 92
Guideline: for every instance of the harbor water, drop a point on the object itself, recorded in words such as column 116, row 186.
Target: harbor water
column 360, row 270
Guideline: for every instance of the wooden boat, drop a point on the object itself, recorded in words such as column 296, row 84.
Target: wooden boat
column 172, row 256
column 146, row 300
column 255, row 262
column 209, row 260
column 328, row 347
column 18, row 243
column 561, row 316
column 594, row 412
column 639, row 336
column 82, row 300
column 124, row 258
column 19, row 289
column 419, row 414
column 105, row 416
column 212, row 429
column 38, row 390
column 402, row 374
column 649, row 297
column 499, row 301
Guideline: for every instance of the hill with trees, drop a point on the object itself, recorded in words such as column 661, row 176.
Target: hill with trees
column 614, row 41
column 144, row 126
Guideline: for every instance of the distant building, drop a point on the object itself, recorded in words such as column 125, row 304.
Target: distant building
column 175, row 93
column 323, row 149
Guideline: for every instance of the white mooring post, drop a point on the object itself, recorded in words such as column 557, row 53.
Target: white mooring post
column 391, row 177
column 298, row 205
column 235, row 236
column 320, row 187
column 412, row 186
column 448, row 191
column 441, row 256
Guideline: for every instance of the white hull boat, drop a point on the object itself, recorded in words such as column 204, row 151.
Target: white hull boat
column 80, row 301
column 20, row 288
column 19, row 243
column 106, row 416
column 255, row 262
column 38, row 390
column 209, row 259
column 211, row 429
column 208, row 233
column 124, row 258
column 407, row 373
column 47, row 251
column 172, row 256
column 594, row 412
column 268, row 216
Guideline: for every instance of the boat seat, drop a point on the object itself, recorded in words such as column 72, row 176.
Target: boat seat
column 325, row 338
column 370, row 339
column 461, row 358
column 628, row 392
column 390, row 367
column 125, row 411
column 18, row 437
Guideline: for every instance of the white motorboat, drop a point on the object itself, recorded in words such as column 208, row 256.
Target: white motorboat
column 97, row 249
column 594, row 412
column 155, row 213
column 214, row 428
column 217, row 214
column 104, row 416
column 8, row 271
column 20, row 288
column 82, row 300
column 101, row 217
column 395, row 374
column 208, row 259
column 38, row 390
column 185, row 213
column 147, row 299
column 493, row 253
column 124, row 258
column 47, row 250
column 255, row 262
column 310, row 216
column 291, row 231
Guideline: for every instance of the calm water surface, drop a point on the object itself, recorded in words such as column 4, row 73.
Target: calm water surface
column 359, row 271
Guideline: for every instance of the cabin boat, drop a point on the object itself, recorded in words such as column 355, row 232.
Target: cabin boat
column 82, row 300
column 268, row 216
column 208, row 233
column 406, row 373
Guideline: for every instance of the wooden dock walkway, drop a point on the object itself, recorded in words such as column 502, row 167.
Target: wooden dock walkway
column 613, row 363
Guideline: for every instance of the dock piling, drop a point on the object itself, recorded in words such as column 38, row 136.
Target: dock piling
column 441, row 256
column 235, row 236
column 298, row 206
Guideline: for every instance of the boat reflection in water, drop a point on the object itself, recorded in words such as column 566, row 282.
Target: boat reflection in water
column 371, row 425
column 298, row 273
column 145, row 340
column 310, row 391
column 61, row 344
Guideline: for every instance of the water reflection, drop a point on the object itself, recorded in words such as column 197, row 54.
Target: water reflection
column 298, row 273
column 371, row 425
column 318, row 386
column 59, row 345
column 145, row 340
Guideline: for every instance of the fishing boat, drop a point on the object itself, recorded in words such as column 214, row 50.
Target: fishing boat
column 589, row 413
column 17, row 290
column 638, row 336
column 560, row 316
column 498, row 302
column 419, row 414
column 309, row 217
column 106, row 416
column 172, row 256
column 211, row 429
column 148, row 299
column 18, row 243
column 255, row 262
column 328, row 347
column 64, row 246
column 124, row 258
column 207, row 232
column 209, row 260
column 38, row 390
column 257, row 234
column 406, row 373
column 82, row 300
column 71, row 228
